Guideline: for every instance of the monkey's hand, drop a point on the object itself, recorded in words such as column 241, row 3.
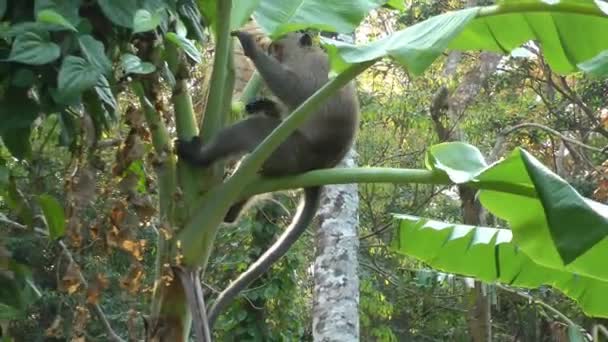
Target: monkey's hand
column 189, row 151
column 248, row 43
column 265, row 106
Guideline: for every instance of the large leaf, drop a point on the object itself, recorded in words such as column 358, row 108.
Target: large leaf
column 17, row 113
column 49, row 16
column 415, row 47
column 64, row 11
column 567, row 32
column 75, row 76
column 53, row 215
column 132, row 64
column 32, row 48
column 119, row 12
column 280, row 16
column 597, row 66
column 238, row 14
column 186, row 44
column 491, row 255
column 551, row 222
column 144, row 21
column 93, row 50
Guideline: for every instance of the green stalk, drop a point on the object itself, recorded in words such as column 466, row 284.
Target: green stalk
column 215, row 111
column 196, row 244
column 251, row 88
column 166, row 182
column 185, row 123
column 519, row 8
column 373, row 175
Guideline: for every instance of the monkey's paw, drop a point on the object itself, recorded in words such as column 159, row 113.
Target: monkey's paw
column 247, row 42
column 189, row 150
column 262, row 105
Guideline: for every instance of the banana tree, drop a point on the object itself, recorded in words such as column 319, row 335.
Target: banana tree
column 149, row 41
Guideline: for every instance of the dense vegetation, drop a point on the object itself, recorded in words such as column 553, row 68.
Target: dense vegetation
column 98, row 216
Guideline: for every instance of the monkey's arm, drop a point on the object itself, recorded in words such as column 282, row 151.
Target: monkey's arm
column 301, row 221
column 283, row 82
column 263, row 106
column 242, row 137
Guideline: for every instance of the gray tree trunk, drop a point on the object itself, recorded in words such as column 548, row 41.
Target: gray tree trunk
column 336, row 282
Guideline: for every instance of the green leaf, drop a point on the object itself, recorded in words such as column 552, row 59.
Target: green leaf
column 17, row 290
column 596, row 66
column 396, row 4
column 145, row 21
column 186, row 44
column 53, row 214
column 241, row 13
column 103, row 90
column 23, row 78
column 8, row 312
column 551, row 222
column 17, row 113
column 192, row 18
column 31, row 48
column 343, row 16
column 120, row 12
column 459, row 160
column 567, row 31
column 416, row 47
column 491, row 254
column 4, row 175
column 40, row 29
column 19, row 205
column 2, row 8
column 49, row 16
column 93, row 50
column 575, row 333
column 75, row 76
column 133, row 65
column 67, row 9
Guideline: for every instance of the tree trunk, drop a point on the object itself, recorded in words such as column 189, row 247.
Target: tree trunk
column 336, row 282
column 450, row 108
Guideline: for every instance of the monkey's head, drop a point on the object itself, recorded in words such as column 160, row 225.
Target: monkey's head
column 291, row 45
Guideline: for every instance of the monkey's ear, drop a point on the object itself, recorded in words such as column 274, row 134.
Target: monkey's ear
column 305, row 39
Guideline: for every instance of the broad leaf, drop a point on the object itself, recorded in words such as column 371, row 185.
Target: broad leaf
column 93, row 50
column 186, row 44
column 120, row 12
column 75, row 76
column 491, row 255
column 53, row 215
column 280, row 16
column 49, row 16
column 66, row 9
column 103, row 90
column 567, row 32
column 34, row 49
column 133, row 65
column 17, row 113
column 460, row 161
column 2, row 8
column 145, row 21
column 238, row 14
column 551, row 222
column 597, row 66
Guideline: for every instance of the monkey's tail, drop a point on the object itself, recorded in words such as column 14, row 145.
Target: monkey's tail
column 301, row 221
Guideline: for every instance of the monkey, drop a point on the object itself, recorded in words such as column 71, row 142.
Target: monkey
column 293, row 69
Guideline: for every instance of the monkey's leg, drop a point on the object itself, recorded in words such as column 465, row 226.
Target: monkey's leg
column 234, row 211
column 293, row 156
column 242, row 137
